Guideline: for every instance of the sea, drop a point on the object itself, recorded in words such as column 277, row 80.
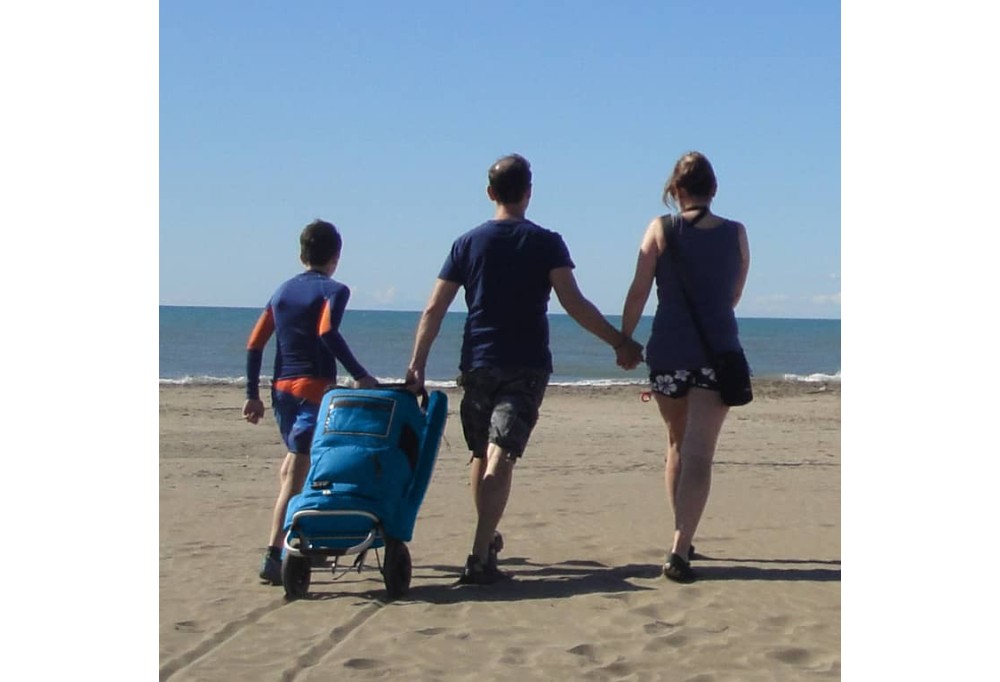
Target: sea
column 207, row 346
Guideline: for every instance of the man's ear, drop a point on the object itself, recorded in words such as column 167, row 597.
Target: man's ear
column 490, row 193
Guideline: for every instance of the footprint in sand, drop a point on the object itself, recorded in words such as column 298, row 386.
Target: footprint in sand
column 658, row 627
column 673, row 641
column 187, row 626
column 586, row 651
column 513, row 656
column 793, row 655
column 362, row 663
column 430, row 632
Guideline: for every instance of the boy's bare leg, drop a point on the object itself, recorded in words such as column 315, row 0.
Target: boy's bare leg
column 291, row 478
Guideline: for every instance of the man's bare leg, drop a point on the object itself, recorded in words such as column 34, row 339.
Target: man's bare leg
column 476, row 470
column 491, row 490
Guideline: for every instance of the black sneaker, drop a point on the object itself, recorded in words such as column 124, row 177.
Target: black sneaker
column 678, row 569
column 474, row 573
column 270, row 569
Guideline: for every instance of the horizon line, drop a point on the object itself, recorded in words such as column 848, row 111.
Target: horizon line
column 461, row 312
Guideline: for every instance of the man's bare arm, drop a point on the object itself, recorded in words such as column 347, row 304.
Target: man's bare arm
column 427, row 330
column 586, row 314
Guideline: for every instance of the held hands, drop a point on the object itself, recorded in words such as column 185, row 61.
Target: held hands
column 628, row 354
column 253, row 410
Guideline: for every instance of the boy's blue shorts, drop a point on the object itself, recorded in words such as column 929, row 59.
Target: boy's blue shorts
column 296, row 419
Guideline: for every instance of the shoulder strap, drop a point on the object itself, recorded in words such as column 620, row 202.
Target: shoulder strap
column 670, row 226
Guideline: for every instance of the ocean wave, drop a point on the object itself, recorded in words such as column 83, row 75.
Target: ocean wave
column 202, row 380
column 812, row 378
column 598, row 383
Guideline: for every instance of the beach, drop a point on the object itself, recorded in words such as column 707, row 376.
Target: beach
column 586, row 530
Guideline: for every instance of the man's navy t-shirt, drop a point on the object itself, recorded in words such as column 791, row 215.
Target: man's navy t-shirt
column 504, row 266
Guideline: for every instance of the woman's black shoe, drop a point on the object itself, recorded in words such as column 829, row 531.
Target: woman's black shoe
column 678, row 569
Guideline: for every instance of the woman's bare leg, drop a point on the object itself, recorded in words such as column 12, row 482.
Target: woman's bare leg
column 674, row 413
column 705, row 415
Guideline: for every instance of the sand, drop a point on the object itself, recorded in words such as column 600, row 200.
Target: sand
column 586, row 529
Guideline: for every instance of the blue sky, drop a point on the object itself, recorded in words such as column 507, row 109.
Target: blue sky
column 383, row 118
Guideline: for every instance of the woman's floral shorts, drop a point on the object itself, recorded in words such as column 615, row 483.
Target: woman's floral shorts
column 675, row 383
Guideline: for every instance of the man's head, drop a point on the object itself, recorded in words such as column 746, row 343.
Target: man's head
column 319, row 244
column 510, row 180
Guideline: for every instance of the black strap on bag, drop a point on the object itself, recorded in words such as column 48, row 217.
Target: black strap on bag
column 731, row 369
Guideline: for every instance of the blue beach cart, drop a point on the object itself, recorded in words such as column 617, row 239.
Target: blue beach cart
column 371, row 462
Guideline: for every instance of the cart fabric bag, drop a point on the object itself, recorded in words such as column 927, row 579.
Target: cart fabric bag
column 373, row 450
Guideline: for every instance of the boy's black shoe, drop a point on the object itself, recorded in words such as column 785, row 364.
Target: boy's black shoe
column 270, row 567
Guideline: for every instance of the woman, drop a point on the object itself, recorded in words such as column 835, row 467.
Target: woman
column 714, row 256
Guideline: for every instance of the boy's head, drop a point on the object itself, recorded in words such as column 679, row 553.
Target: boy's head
column 510, row 179
column 319, row 244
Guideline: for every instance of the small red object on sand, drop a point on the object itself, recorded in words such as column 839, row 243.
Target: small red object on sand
column 646, row 396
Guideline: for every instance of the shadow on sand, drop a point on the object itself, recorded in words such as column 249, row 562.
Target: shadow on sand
column 537, row 581
column 715, row 568
column 438, row 584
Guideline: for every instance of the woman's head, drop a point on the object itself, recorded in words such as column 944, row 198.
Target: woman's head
column 694, row 175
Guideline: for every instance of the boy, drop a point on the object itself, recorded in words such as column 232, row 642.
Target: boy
column 305, row 313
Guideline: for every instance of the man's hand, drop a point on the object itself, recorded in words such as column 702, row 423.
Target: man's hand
column 415, row 380
column 366, row 382
column 253, row 410
column 629, row 354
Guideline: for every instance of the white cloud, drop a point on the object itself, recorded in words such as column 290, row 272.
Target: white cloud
column 773, row 298
column 826, row 299
column 384, row 296
column 789, row 305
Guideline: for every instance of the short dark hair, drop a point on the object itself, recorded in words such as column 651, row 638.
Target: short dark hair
column 510, row 178
column 319, row 243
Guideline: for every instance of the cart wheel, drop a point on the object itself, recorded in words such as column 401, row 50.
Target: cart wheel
column 397, row 569
column 295, row 574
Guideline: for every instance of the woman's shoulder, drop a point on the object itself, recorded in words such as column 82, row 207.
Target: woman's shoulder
column 724, row 225
column 732, row 224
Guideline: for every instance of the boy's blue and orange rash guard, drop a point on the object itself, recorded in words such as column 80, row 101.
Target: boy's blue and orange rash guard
column 304, row 314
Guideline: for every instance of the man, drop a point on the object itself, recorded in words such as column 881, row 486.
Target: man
column 305, row 314
column 508, row 267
